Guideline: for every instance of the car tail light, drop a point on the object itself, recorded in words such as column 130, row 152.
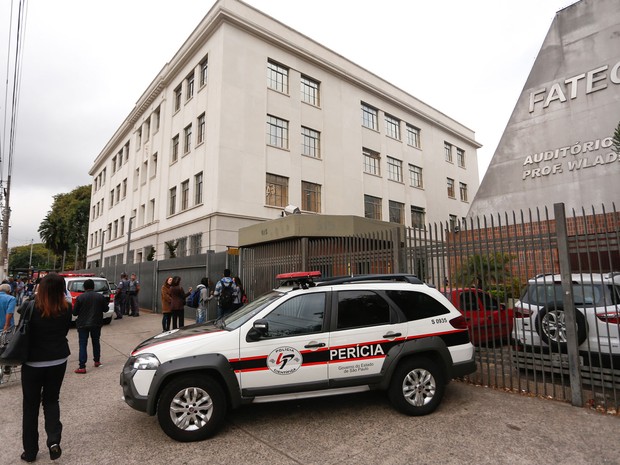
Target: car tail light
column 522, row 312
column 459, row 322
column 611, row 318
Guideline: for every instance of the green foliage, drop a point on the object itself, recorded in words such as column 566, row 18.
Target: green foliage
column 151, row 256
column 616, row 139
column 19, row 258
column 66, row 225
column 172, row 248
column 489, row 272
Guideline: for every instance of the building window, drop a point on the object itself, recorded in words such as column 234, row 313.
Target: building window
column 121, row 225
column 124, row 191
column 175, row 148
column 397, row 212
column 182, row 247
column 417, row 217
column 413, row 136
column 463, row 191
column 276, row 191
column 277, row 132
column 395, row 169
column 189, row 88
column 195, row 244
column 369, row 117
column 372, row 207
column 277, row 77
column 187, row 139
column 310, row 91
column 172, row 201
column 136, row 179
column 200, row 138
column 114, row 164
column 310, row 197
column 198, row 188
column 156, row 119
column 118, row 193
column 204, row 68
column 151, row 213
column 177, row 98
column 310, row 143
column 460, row 157
column 145, row 172
column 415, row 176
column 371, row 162
column 448, row 151
column 139, row 138
column 147, row 130
column 453, row 223
column 392, row 127
column 153, row 172
column 111, row 198
column 185, row 195
column 451, row 188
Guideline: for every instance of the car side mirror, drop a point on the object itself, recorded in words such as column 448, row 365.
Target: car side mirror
column 259, row 329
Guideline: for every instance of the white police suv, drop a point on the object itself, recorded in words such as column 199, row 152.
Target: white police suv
column 303, row 339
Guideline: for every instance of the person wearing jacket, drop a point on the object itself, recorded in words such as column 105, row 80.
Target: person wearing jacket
column 177, row 302
column 201, row 311
column 166, row 311
column 42, row 374
column 89, row 309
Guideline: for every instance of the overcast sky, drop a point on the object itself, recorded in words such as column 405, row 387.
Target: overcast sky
column 86, row 63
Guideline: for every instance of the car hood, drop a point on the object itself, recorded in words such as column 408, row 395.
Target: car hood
column 173, row 343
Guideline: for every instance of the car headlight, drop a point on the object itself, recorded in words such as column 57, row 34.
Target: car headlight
column 144, row 362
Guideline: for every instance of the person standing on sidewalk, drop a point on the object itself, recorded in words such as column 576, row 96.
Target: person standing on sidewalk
column 120, row 297
column 177, row 302
column 132, row 294
column 43, row 373
column 7, row 309
column 166, row 311
column 225, row 291
column 89, row 309
column 203, row 302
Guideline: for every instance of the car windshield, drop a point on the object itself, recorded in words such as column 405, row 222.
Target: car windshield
column 78, row 286
column 238, row 318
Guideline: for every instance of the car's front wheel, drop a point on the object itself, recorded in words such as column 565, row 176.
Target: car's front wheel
column 191, row 408
column 417, row 386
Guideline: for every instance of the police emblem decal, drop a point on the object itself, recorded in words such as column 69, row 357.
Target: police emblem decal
column 284, row 360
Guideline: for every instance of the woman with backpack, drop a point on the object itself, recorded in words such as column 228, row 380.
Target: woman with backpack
column 177, row 302
column 240, row 298
column 203, row 302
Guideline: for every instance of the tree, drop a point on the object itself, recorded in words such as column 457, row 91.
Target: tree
column 172, row 248
column 483, row 271
column 66, row 225
column 616, row 139
column 20, row 260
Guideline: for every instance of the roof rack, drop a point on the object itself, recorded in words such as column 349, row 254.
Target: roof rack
column 400, row 277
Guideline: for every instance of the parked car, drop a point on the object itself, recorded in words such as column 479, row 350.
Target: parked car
column 541, row 323
column 304, row 339
column 75, row 285
column 487, row 318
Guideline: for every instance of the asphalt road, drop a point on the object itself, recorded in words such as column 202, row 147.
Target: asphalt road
column 473, row 425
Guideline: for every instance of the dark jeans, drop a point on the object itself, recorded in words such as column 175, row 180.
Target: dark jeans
column 41, row 386
column 95, row 335
column 178, row 318
column 119, row 305
column 165, row 321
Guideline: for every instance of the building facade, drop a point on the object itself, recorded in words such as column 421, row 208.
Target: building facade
column 250, row 117
column 557, row 146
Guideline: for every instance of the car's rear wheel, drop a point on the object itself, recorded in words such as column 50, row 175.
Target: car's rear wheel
column 417, row 386
column 551, row 327
column 191, row 408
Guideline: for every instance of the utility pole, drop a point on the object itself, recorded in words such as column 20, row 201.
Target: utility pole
column 6, row 218
column 30, row 261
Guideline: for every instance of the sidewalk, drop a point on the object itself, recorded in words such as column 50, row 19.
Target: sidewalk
column 473, row 425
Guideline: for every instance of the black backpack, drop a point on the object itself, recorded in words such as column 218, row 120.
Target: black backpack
column 226, row 298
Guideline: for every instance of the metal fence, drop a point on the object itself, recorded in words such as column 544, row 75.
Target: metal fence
column 483, row 266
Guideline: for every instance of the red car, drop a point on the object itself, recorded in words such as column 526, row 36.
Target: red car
column 487, row 318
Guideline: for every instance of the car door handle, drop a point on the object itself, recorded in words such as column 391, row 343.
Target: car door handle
column 314, row 345
column 391, row 335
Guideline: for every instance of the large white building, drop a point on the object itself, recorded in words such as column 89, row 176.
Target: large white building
column 249, row 117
